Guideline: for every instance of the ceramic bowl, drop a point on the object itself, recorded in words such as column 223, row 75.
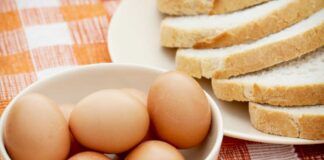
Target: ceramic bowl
column 73, row 84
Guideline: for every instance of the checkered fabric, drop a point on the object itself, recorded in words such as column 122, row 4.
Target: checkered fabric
column 41, row 37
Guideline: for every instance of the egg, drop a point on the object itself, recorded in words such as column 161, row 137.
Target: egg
column 89, row 155
column 142, row 97
column 156, row 150
column 179, row 109
column 36, row 129
column 150, row 135
column 137, row 94
column 75, row 146
column 110, row 121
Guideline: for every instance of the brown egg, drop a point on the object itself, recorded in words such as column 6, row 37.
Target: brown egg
column 75, row 146
column 150, row 135
column 36, row 129
column 179, row 110
column 89, row 156
column 142, row 97
column 156, row 150
column 139, row 95
column 110, row 121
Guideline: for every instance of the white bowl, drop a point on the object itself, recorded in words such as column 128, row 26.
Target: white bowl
column 72, row 85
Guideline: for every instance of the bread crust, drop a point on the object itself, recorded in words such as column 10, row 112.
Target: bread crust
column 282, row 123
column 253, row 59
column 195, row 7
column 225, row 6
column 312, row 127
column 272, row 122
column 185, row 7
column 222, row 37
column 307, row 94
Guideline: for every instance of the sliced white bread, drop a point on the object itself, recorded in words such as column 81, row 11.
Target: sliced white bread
column 299, row 122
column 285, row 45
column 235, row 28
column 195, row 7
column 295, row 83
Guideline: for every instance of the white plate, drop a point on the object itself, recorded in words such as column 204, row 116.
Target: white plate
column 134, row 38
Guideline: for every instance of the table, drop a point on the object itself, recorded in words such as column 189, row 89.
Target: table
column 39, row 38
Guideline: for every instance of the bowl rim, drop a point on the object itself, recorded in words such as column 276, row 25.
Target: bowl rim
column 214, row 107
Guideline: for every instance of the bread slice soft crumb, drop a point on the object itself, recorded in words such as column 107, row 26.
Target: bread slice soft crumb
column 242, row 26
column 285, row 45
column 295, row 83
column 299, row 122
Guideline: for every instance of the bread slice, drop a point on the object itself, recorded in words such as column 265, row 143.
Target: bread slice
column 288, row 44
column 225, row 6
column 298, row 82
column 300, row 122
column 235, row 28
column 185, row 7
column 195, row 7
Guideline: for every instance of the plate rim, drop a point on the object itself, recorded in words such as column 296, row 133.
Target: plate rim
column 112, row 20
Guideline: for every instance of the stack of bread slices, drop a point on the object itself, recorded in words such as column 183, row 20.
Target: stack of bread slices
column 266, row 52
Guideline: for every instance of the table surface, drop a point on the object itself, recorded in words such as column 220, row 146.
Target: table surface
column 39, row 38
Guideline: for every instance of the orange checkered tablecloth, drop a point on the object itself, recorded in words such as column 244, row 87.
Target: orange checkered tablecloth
column 39, row 37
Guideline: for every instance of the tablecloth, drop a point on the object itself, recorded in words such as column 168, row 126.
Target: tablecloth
column 39, row 37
